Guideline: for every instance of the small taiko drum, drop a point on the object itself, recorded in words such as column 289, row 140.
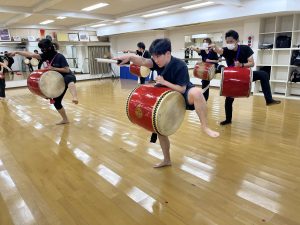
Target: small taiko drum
column 34, row 62
column 157, row 109
column 236, row 82
column 205, row 71
column 26, row 61
column 140, row 71
column 46, row 83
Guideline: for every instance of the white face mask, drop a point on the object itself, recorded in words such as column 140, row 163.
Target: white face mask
column 230, row 46
column 205, row 45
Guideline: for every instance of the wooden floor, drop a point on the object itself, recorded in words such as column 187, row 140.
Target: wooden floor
column 98, row 169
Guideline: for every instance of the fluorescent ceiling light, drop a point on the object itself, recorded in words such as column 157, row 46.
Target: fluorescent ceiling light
column 99, row 25
column 117, row 21
column 198, row 5
column 46, row 22
column 61, row 17
column 155, row 14
column 97, row 6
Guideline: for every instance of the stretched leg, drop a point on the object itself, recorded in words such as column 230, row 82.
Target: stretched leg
column 228, row 111
column 73, row 92
column 265, row 86
column 205, row 83
column 63, row 114
column 195, row 97
column 165, row 147
column 60, row 109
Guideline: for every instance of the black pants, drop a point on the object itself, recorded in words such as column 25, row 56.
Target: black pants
column 142, row 80
column 263, row 77
column 2, row 88
column 205, row 83
column 57, row 101
column 30, row 68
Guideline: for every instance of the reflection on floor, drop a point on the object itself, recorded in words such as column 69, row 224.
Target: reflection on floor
column 98, row 169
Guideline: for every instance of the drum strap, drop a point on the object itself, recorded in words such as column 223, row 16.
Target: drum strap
column 50, row 64
column 237, row 55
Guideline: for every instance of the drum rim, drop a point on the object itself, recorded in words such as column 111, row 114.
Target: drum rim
column 39, row 83
column 251, row 79
column 157, row 106
column 127, row 103
column 221, row 83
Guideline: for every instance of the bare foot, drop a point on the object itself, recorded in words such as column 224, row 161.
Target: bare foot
column 63, row 122
column 75, row 101
column 210, row 132
column 162, row 164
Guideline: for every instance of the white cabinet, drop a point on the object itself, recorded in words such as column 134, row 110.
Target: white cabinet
column 278, row 60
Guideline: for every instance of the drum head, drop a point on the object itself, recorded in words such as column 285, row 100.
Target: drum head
column 26, row 61
column 34, row 62
column 52, row 84
column 168, row 113
column 145, row 71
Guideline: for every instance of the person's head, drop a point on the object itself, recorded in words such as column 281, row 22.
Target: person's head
column 141, row 46
column 206, row 42
column 160, row 49
column 46, row 46
column 36, row 51
column 232, row 39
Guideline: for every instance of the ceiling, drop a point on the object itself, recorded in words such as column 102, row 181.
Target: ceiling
column 29, row 13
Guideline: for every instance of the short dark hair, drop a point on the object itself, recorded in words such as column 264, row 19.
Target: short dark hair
column 160, row 46
column 208, row 40
column 45, row 43
column 141, row 45
column 233, row 34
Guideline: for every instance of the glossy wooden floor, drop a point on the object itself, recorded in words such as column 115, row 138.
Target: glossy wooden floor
column 98, row 169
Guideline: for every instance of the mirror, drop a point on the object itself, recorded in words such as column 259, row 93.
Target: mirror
column 196, row 40
column 76, row 55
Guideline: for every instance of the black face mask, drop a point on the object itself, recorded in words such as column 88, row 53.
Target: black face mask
column 49, row 53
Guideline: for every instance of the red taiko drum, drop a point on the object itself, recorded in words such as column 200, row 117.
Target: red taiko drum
column 157, row 109
column 204, row 71
column 140, row 71
column 46, row 83
column 236, row 82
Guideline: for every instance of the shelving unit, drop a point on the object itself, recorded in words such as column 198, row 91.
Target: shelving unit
column 279, row 59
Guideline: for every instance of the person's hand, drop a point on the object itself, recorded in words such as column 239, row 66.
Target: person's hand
column 238, row 64
column 160, row 80
column 11, row 54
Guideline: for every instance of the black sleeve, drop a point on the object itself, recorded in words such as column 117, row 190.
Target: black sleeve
column 182, row 76
column 147, row 55
column 62, row 61
column 248, row 51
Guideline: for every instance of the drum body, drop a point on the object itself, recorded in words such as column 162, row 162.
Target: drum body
column 157, row 109
column 140, row 71
column 205, row 71
column 236, row 82
column 46, row 83
column 34, row 62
